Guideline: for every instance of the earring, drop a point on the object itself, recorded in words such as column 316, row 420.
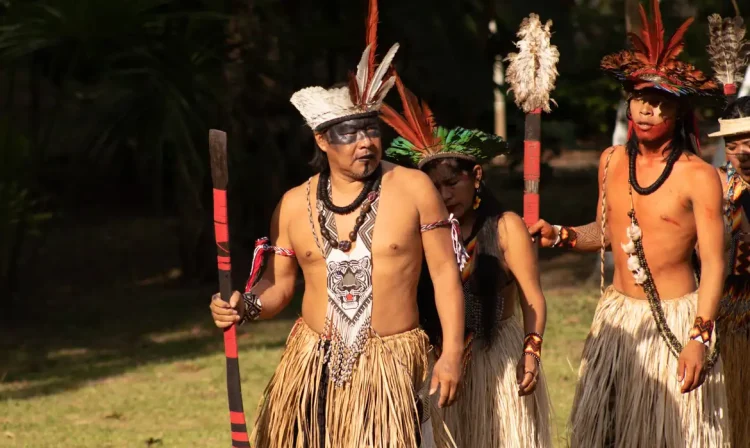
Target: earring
column 477, row 199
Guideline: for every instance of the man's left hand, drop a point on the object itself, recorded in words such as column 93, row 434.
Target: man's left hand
column 446, row 374
column 690, row 366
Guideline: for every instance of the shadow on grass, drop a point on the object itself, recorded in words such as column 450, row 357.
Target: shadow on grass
column 72, row 346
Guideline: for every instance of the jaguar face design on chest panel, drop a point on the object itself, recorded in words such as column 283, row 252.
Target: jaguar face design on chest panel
column 350, row 283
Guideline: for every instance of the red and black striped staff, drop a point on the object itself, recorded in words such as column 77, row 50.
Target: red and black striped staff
column 531, row 75
column 217, row 143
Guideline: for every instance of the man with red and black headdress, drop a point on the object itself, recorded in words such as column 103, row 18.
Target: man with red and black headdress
column 650, row 374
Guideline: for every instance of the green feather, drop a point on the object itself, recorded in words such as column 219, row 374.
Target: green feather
column 475, row 143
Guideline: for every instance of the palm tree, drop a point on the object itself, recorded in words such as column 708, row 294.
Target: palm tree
column 143, row 76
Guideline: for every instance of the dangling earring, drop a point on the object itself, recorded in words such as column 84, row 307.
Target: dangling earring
column 477, row 199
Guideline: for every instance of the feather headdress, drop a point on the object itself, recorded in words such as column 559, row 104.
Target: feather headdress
column 533, row 70
column 422, row 140
column 653, row 64
column 729, row 51
column 363, row 97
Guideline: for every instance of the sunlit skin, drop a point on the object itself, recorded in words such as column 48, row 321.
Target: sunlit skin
column 408, row 199
column 458, row 189
column 673, row 219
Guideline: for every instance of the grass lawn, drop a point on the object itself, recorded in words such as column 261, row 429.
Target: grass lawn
column 130, row 383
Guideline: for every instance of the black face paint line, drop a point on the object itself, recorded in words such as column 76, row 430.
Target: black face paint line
column 348, row 132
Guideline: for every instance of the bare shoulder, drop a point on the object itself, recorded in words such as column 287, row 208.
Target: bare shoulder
column 407, row 176
column 295, row 198
column 610, row 156
column 511, row 226
column 696, row 166
column 615, row 152
column 695, row 171
column 412, row 182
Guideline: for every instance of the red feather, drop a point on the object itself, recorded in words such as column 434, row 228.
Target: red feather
column 413, row 113
column 675, row 45
column 658, row 31
column 429, row 117
column 645, row 34
column 637, row 43
column 372, row 36
column 398, row 123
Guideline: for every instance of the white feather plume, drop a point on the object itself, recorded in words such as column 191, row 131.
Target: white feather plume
column 728, row 49
column 363, row 70
column 533, row 70
column 377, row 78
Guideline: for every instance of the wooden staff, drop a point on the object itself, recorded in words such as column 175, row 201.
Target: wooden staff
column 532, row 154
column 531, row 75
column 217, row 144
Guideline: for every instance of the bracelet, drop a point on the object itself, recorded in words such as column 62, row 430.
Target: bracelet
column 558, row 229
column 532, row 345
column 538, row 359
column 702, row 330
column 253, row 307
column 566, row 237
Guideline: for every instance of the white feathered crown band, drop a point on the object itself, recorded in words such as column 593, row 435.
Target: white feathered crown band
column 323, row 107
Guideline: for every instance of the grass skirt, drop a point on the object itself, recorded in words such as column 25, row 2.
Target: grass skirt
column 628, row 394
column 488, row 412
column 377, row 409
column 735, row 353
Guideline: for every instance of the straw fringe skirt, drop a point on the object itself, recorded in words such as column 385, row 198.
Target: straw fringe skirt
column 377, row 409
column 735, row 353
column 628, row 394
column 488, row 412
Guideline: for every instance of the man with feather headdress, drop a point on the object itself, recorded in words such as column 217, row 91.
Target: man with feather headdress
column 650, row 373
column 730, row 54
column 355, row 361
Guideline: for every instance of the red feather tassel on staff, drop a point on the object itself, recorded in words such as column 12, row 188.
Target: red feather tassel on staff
column 220, row 176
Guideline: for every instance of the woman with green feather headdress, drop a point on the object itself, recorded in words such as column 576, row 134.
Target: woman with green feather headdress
column 503, row 398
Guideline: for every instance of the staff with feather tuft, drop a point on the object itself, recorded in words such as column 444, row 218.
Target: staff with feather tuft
column 531, row 75
column 729, row 51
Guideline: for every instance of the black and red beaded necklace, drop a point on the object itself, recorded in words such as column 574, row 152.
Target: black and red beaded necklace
column 324, row 195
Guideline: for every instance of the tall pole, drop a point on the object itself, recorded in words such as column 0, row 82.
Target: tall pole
column 531, row 74
column 498, row 79
column 217, row 143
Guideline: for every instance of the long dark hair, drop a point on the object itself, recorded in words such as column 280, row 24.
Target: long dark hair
column 482, row 300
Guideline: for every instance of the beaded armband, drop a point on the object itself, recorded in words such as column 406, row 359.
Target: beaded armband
column 532, row 346
column 462, row 257
column 566, row 237
column 252, row 307
column 702, row 330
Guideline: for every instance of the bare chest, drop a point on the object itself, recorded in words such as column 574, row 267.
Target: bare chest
column 394, row 232
column 667, row 212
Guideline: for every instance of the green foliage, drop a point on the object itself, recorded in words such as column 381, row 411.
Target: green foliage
column 19, row 205
column 478, row 144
